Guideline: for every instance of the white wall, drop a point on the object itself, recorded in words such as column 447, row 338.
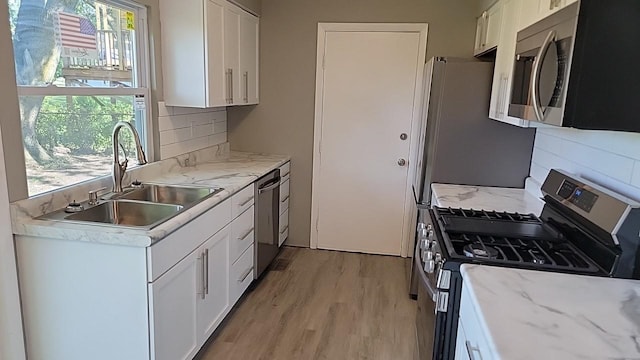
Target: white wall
column 609, row 158
column 183, row 130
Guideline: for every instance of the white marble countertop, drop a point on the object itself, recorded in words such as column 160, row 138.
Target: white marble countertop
column 486, row 198
column 233, row 173
column 530, row 314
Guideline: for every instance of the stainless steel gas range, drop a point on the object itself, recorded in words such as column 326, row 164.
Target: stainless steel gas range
column 583, row 229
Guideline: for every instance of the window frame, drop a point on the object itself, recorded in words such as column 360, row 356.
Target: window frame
column 142, row 70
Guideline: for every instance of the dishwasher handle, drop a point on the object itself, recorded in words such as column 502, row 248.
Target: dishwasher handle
column 269, row 186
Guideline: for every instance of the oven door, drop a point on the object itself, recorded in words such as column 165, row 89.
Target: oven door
column 429, row 337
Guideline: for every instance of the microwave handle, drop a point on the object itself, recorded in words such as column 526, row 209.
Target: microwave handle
column 535, row 83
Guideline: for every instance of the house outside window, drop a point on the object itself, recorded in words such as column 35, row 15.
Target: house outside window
column 81, row 66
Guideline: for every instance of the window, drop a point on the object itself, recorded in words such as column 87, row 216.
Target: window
column 81, row 66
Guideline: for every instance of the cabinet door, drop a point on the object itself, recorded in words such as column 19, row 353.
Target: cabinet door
column 232, row 54
column 213, row 304
column 249, row 29
column 503, row 73
column 173, row 302
column 494, row 24
column 480, row 34
column 461, row 344
column 216, row 93
column 529, row 12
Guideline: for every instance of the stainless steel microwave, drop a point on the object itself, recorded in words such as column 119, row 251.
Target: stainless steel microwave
column 580, row 67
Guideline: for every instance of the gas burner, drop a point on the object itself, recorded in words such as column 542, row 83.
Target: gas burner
column 479, row 251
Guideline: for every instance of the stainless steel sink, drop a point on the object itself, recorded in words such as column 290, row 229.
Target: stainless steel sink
column 167, row 194
column 127, row 213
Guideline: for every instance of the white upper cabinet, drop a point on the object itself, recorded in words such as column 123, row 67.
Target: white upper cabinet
column 488, row 29
column 205, row 60
column 249, row 34
column 232, row 53
column 536, row 10
column 503, row 72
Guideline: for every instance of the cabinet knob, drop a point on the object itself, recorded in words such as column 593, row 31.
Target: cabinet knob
column 402, row 162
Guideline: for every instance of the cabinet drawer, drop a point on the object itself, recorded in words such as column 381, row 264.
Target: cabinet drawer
column 241, row 275
column 284, row 196
column 472, row 329
column 167, row 252
column 284, row 227
column 285, row 169
column 241, row 201
column 242, row 234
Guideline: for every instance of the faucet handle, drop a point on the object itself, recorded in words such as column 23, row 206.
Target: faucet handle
column 93, row 195
column 124, row 152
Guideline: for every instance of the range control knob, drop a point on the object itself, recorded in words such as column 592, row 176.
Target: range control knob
column 424, row 244
column 429, row 227
column 429, row 266
column 427, row 255
column 422, row 226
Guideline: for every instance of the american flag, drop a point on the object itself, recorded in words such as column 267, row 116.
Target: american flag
column 76, row 32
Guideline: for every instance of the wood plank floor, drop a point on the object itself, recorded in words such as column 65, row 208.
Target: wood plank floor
column 319, row 304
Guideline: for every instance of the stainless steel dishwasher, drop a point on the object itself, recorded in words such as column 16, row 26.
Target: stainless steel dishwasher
column 267, row 220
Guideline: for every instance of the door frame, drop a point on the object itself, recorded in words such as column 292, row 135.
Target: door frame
column 414, row 136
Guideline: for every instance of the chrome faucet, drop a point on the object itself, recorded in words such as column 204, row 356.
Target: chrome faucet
column 120, row 168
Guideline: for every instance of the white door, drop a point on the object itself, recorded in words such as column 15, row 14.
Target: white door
column 213, row 305
column 368, row 97
column 174, row 297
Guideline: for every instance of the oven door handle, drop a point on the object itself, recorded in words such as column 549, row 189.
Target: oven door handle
column 537, row 68
column 424, row 280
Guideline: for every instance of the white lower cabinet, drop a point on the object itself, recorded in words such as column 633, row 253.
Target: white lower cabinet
column 241, row 275
column 471, row 341
column 174, row 307
column 461, row 342
column 214, row 302
column 159, row 303
column 285, row 175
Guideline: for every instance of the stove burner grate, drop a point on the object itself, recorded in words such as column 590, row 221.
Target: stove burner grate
column 491, row 215
column 553, row 254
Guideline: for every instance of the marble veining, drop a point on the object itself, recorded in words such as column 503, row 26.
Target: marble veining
column 215, row 167
column 526, row 314
column 486, row 198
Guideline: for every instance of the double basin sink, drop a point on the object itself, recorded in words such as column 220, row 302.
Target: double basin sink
column 145, row 207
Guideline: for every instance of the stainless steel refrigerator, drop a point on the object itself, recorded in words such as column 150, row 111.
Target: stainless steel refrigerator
column 462, row 145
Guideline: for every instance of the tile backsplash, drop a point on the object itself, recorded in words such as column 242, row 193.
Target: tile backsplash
column 608, row 158
column 184, row 130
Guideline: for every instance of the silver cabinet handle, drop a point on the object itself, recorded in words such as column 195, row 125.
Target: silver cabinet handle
column 244, row 275
column 246, row 234
column 285, row 229
column 231, row 85
column 229, row 74
column 285, row 199
column 246, row 86
column 485, row 29
column 202, row 273
column 535, row 83
column 471, row 350
column 246, row 201
column 206, row 272
column 402, row 162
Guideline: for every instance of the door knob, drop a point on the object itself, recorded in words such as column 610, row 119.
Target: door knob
column 402, row 162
